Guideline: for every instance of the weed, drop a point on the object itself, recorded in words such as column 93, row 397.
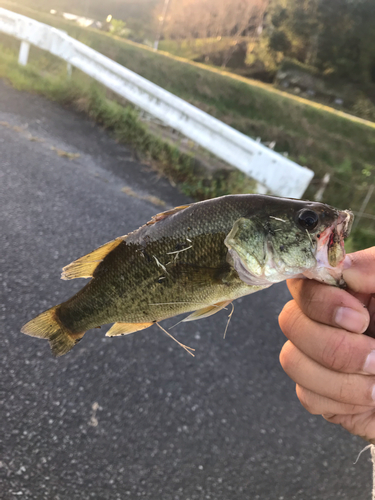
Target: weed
column 123, row 121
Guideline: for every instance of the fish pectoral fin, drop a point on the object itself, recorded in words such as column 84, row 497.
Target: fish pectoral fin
column 207, row 311
column 126, row 328
column 85, row 266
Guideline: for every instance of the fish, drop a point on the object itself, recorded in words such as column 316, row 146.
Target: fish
column 196, row 259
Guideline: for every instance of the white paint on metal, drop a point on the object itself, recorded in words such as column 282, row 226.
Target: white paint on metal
column 24, row 53
column 280, row 175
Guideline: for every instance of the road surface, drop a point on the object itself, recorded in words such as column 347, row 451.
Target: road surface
column 136, row 416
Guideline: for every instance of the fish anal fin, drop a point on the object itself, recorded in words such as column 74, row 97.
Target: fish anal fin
column 167, row 213
column 207, row 311
column 126, row 328
column 85, row 266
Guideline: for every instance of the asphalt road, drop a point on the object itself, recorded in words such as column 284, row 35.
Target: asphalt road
column 136, row 416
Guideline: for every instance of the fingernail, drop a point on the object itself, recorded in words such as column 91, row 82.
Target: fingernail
column 327, row 416
column 369, row 366
column 347, row 262
column 351, row 320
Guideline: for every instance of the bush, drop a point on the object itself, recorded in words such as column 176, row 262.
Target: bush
column 289, row 64
column 279, row 42
column 364, row 107
column 118, row 28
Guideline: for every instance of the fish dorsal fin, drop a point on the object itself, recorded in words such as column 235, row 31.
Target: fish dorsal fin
column 126, row 328
column 207, row 311
column 85, row 266
column 167, row 213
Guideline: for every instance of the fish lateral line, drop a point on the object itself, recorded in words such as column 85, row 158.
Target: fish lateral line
column 171, row 303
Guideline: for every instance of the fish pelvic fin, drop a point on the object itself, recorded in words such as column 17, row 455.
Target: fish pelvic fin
column 47, row 326
column 126, row 328
column 207, row 311
column 85, row 266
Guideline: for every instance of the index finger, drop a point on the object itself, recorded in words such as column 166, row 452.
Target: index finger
column 329, row 305
column 360, row 276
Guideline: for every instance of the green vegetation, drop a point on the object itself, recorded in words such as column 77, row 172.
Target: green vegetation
column 49, row 79
column 136, row 13
column 324, row 142
column 196, row 48
column 334, row 36
column 118, row 28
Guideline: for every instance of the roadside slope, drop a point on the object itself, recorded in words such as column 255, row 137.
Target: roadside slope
column 323, row 141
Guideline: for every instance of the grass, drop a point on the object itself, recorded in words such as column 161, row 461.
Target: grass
column 49, row 79
column 197, row 48
column 322, row 141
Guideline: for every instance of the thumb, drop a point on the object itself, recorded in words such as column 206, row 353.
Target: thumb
column 360, row 276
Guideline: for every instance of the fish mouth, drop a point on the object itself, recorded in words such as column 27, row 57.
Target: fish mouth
column 330, row 251
column 333, row 238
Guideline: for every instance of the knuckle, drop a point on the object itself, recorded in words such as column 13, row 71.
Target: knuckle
column 313, row 296
column 345, row 393
column 354, row 409
column 289, row 358
column 289, row 318
column 333, row 418
column 369, row 391
column 337, row 353
column 305, row 399
column 356, row 390
column 354, row 424
column 295, row 285
column 319, row 301
column 285, row 354
column 366, row 425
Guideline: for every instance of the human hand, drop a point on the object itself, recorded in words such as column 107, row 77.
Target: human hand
column 327, row 355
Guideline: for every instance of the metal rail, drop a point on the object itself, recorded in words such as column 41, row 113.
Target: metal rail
column 272, row 170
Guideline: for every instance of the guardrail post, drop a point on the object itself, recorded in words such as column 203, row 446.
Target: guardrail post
column 261, row 188
column 69, row 70
column 24, row 53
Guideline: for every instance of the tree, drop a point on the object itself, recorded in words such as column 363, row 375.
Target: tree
column 297, row 28
column 118, row 27
column 246, row 17
column 279, row 42
column 192, row 19
column 347, row 38
column 335, row 36
column 212, row 18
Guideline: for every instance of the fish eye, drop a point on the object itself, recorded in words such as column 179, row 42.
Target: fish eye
column 308, row 219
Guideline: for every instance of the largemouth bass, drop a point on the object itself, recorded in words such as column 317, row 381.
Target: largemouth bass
column 197, row 258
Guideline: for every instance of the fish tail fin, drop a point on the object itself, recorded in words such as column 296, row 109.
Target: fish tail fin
column 48, row 326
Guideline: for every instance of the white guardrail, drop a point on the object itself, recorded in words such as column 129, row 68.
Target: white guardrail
column 272, row 170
